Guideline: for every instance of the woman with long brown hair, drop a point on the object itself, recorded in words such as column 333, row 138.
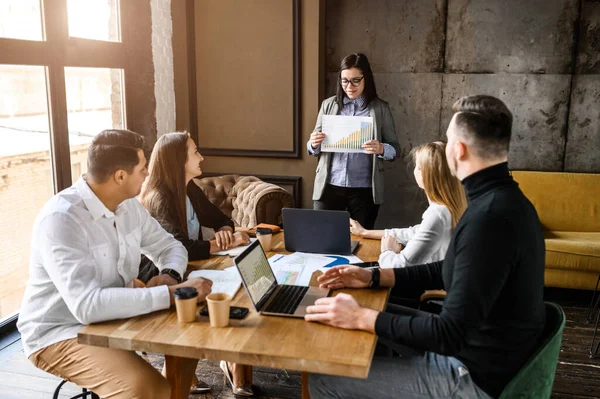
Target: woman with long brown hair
column 429, row 240
column 182, row 209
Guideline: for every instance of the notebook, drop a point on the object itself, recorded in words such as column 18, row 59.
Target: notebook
column 227, row 281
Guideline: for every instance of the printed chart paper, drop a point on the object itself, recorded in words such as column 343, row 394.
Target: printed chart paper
column 297, row 268
column 346, row 133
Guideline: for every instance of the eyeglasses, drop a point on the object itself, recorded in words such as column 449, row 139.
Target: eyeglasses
column 354, row 81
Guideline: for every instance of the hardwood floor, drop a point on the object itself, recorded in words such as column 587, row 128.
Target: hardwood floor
column 577, row 375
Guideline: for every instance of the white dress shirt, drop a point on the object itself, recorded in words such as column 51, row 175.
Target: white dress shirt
column 423, row 243
column 82, row 257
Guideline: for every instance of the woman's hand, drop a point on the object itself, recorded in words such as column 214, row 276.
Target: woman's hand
column 390, row 243
column 373, row 147
column 345, row 276
column 240, row 238
column 316, row 138
column 356, row 228
column 224, row 238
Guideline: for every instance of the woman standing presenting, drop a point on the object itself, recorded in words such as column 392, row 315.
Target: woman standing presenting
column 354, row 181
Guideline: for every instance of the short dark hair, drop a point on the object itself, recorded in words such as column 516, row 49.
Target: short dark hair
column 360, row 61
column 487, row 121
column 113, row 150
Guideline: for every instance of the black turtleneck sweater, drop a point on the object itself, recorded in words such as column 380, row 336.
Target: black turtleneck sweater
column 494, row 278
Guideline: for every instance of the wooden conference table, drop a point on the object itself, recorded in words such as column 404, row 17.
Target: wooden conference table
column 277, row 342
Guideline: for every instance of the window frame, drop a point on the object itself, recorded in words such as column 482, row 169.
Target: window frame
column 133, row 55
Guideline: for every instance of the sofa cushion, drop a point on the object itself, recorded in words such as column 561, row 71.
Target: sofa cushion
column 564, row 201
column 572, row 278
column 573, row 250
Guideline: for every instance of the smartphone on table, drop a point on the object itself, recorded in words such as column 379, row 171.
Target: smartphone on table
column 235, row 312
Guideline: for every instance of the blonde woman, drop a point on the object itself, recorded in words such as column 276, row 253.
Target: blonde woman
column 429, row 240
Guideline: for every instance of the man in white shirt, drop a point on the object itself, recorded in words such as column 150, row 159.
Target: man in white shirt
column 85, row 254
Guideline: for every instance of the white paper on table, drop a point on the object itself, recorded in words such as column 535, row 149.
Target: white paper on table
column 346, row 133
column 234, row 251
column 275, row 258
column 227, row 281
column 297, row 268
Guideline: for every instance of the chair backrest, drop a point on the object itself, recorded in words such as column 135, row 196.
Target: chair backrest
column 536, row 377
column 564, row 201
column 221, row 191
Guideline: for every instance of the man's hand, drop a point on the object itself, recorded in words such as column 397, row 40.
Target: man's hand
column 373, row 147
column 390, row 242
column 224, row 238
column 202, row 285
column 162, row 279
column 316, row 139
column 356, row 228
column 342, row 311
column 345, row 276
column 240, row 238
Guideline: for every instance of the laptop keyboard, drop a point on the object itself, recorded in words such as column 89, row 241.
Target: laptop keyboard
column 287, row 299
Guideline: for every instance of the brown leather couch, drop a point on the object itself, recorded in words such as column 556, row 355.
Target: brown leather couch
column 247, row 200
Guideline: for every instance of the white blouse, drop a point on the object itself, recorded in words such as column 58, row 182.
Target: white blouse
column 193, row 224
column 423, row 243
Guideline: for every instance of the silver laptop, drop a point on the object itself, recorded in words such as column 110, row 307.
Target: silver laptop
column 267, row 296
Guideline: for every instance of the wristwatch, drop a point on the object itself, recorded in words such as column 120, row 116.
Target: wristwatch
column 375, row 277
column 173, row 273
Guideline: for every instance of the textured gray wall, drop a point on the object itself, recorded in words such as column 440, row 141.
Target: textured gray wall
column 541, row 57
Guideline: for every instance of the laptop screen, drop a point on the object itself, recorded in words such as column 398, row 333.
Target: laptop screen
column 256, row 272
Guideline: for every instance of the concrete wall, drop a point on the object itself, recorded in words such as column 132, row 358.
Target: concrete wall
column 542, row 57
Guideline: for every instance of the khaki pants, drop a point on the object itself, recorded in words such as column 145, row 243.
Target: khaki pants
column 109, row 373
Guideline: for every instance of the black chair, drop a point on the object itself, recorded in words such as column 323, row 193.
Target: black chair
column 83, row 394
column 594, row 312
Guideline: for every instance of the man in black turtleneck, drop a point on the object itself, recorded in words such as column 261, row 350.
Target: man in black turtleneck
column 493, row 275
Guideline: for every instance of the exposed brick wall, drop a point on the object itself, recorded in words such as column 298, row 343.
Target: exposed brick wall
column 162, row 54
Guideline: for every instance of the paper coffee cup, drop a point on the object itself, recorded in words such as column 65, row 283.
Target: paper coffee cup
column 264, row 236
column 218, row 309
column 186, row 299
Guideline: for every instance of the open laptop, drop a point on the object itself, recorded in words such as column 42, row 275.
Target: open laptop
column 267, row 296
column 318, row 232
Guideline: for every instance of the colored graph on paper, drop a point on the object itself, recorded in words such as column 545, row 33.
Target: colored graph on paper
column 297, row 268
column 346, row 133
column 288, row 277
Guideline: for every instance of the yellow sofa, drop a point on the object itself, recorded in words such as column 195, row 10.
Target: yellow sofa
column 568, row 205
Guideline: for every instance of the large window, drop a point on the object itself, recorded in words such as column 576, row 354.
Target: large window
column 63, row 68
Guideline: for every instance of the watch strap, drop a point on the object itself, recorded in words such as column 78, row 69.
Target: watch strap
column 375, row 277
column 173, row 273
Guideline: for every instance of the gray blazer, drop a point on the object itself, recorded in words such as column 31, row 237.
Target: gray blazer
column 385, row 132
